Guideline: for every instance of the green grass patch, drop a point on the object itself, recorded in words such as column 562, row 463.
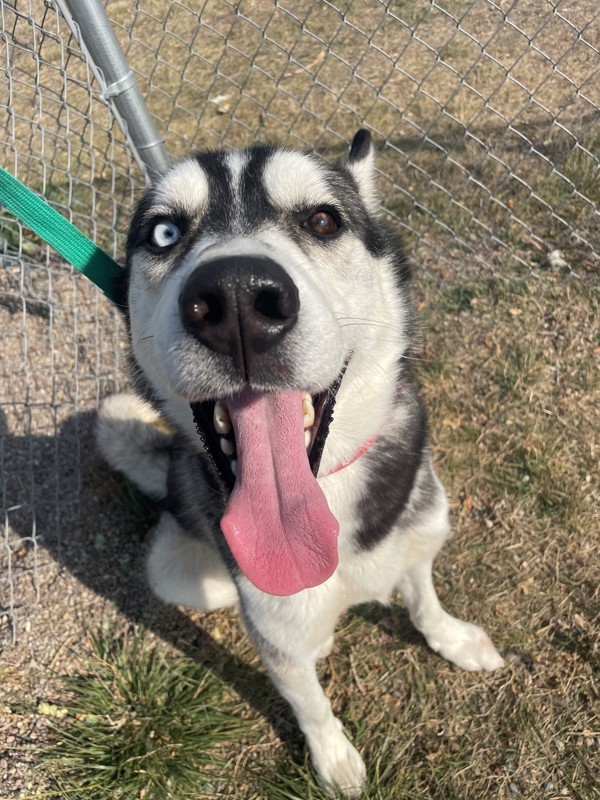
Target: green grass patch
column 140, row 724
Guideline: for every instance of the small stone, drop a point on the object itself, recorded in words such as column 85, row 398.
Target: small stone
column 556, row 260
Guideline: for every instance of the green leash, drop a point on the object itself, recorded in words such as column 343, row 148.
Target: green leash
column 60, row 234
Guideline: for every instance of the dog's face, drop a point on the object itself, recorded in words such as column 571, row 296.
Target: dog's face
column 256, row 279
column 257, row 267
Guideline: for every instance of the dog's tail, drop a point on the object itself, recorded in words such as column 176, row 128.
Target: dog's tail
column 134, row 439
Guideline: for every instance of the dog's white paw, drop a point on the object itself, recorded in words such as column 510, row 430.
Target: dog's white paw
column 134, row 439
column 187, row 571
column 340, row 767
column 465, row 645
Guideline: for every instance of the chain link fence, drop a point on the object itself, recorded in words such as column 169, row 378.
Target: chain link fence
column 486, row 114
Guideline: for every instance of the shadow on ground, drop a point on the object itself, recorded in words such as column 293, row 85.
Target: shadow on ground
column 95, row 526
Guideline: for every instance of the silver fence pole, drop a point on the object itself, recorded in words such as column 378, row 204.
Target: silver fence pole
column 95, row 35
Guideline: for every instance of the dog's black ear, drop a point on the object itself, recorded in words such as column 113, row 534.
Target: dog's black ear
column 361, row 147
column 361, row 165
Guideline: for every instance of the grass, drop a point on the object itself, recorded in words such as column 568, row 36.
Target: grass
column 138, row 724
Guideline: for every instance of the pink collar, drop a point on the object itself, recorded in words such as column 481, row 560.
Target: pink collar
column 354, row 458
column 360, row 453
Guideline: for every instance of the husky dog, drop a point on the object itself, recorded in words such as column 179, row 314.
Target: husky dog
column 272, row 327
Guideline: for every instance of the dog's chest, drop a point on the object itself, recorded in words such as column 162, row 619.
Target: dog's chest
column 367, row 576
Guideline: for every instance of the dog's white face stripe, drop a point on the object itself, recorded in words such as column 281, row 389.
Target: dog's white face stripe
column 236, row 162
column 184, row 188
column 294, row 180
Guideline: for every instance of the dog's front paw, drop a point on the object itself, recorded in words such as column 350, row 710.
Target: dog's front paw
column 465, row 645
column 339, row 767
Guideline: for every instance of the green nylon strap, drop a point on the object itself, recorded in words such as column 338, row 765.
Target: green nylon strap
column 60, row 234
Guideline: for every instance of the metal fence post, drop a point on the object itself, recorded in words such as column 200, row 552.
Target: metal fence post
column 91, row 27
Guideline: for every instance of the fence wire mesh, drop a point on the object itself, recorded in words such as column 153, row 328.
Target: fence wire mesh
column 486, row 115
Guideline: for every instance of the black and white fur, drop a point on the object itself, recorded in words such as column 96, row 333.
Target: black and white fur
column 354, row 308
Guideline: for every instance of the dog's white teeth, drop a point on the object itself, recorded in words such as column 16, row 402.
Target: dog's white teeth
column 308, row 417
column 233, row 465
column 223, row 426
column 308, row 410
column 221, row 419
column 227, row 446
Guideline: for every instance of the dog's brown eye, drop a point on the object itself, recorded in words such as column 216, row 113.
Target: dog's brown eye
column 322, row 223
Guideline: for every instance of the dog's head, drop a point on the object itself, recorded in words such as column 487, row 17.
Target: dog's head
column 258, row 279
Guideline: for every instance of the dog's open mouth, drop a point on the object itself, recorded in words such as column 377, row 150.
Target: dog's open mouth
column 267, row 448
column 215, row 428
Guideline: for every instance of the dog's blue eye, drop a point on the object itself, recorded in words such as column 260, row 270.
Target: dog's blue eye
column 164, row 234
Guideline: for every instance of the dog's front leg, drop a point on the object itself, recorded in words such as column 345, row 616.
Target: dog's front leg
column 460, row 642
column 335, row 760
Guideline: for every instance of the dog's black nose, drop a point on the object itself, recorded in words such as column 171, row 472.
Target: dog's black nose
column 239, row 306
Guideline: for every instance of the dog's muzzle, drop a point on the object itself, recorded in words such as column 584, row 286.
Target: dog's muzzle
column 239, row 306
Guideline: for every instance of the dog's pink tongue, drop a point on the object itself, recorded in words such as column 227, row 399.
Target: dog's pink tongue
column 277, row 521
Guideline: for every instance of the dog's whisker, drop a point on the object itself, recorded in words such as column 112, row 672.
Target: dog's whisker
column 420, row 359
column 146, row 333
column 366, row 325
column 366, row 321
column 370, row 367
